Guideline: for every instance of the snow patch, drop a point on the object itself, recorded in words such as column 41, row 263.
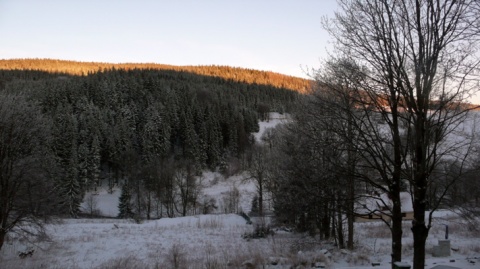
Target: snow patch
column 275, row 119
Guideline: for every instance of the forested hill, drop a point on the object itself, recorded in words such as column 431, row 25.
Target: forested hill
column 135, row 127
column 235, row 74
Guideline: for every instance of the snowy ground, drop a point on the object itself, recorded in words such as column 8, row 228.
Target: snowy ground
column 216, row 241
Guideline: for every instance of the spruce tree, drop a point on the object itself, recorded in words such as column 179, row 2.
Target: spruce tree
column 70, row 187
column 94, row 162
column 124, row 205
column 83, row 166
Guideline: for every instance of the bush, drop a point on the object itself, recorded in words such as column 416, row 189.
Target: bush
column 176, row 257
column 260, row 231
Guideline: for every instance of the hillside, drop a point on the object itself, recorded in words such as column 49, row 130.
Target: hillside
column 234, row 74
column 147, row 129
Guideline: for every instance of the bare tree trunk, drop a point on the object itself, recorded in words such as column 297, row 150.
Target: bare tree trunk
column 139, row 200
column 341, row 239
column 259, row 173
column 260, row 195
column 350, row 203
column 170, row 205
column 419, row 229
column 326, row 222
column 420, row 233
column 350, row 223
column 396, row 228
column 149, row 204
column 2, row 237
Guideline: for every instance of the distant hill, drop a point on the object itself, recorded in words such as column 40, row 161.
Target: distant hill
column 144, row 127
column 235, row 74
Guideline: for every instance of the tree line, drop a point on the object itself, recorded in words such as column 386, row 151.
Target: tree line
column 235, row 74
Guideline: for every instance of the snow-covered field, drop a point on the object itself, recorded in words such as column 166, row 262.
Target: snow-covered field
column 216, row 240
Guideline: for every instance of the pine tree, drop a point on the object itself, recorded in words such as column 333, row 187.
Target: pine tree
column 124, row 205
column 190, row 138
column 215, row 140
column 70, row 187
column 202, row 144
column 251, row 121
column 94, row 162
column 65, row 140
column 83, row 166
column 64, row 130
column 232, row 138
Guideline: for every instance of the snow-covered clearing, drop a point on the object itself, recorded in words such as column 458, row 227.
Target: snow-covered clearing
column 275, row 119
column 107, row 243
column 215, row 241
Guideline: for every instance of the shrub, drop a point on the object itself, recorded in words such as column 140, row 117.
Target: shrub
column 176, row 257
column 260, row 231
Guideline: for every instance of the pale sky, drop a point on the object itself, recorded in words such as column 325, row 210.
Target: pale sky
column 283, row 36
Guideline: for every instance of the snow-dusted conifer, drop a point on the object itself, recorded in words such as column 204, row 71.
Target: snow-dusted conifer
column 125, row 205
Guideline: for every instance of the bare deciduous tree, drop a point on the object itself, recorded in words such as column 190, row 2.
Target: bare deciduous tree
column 25, row 191
column 91, row 205
column 420, row 64
column 333, row 111
column 259, row 170
column 188, row 186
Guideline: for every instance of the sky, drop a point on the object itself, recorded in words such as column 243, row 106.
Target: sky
column 284, row 36
column 274, row 35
